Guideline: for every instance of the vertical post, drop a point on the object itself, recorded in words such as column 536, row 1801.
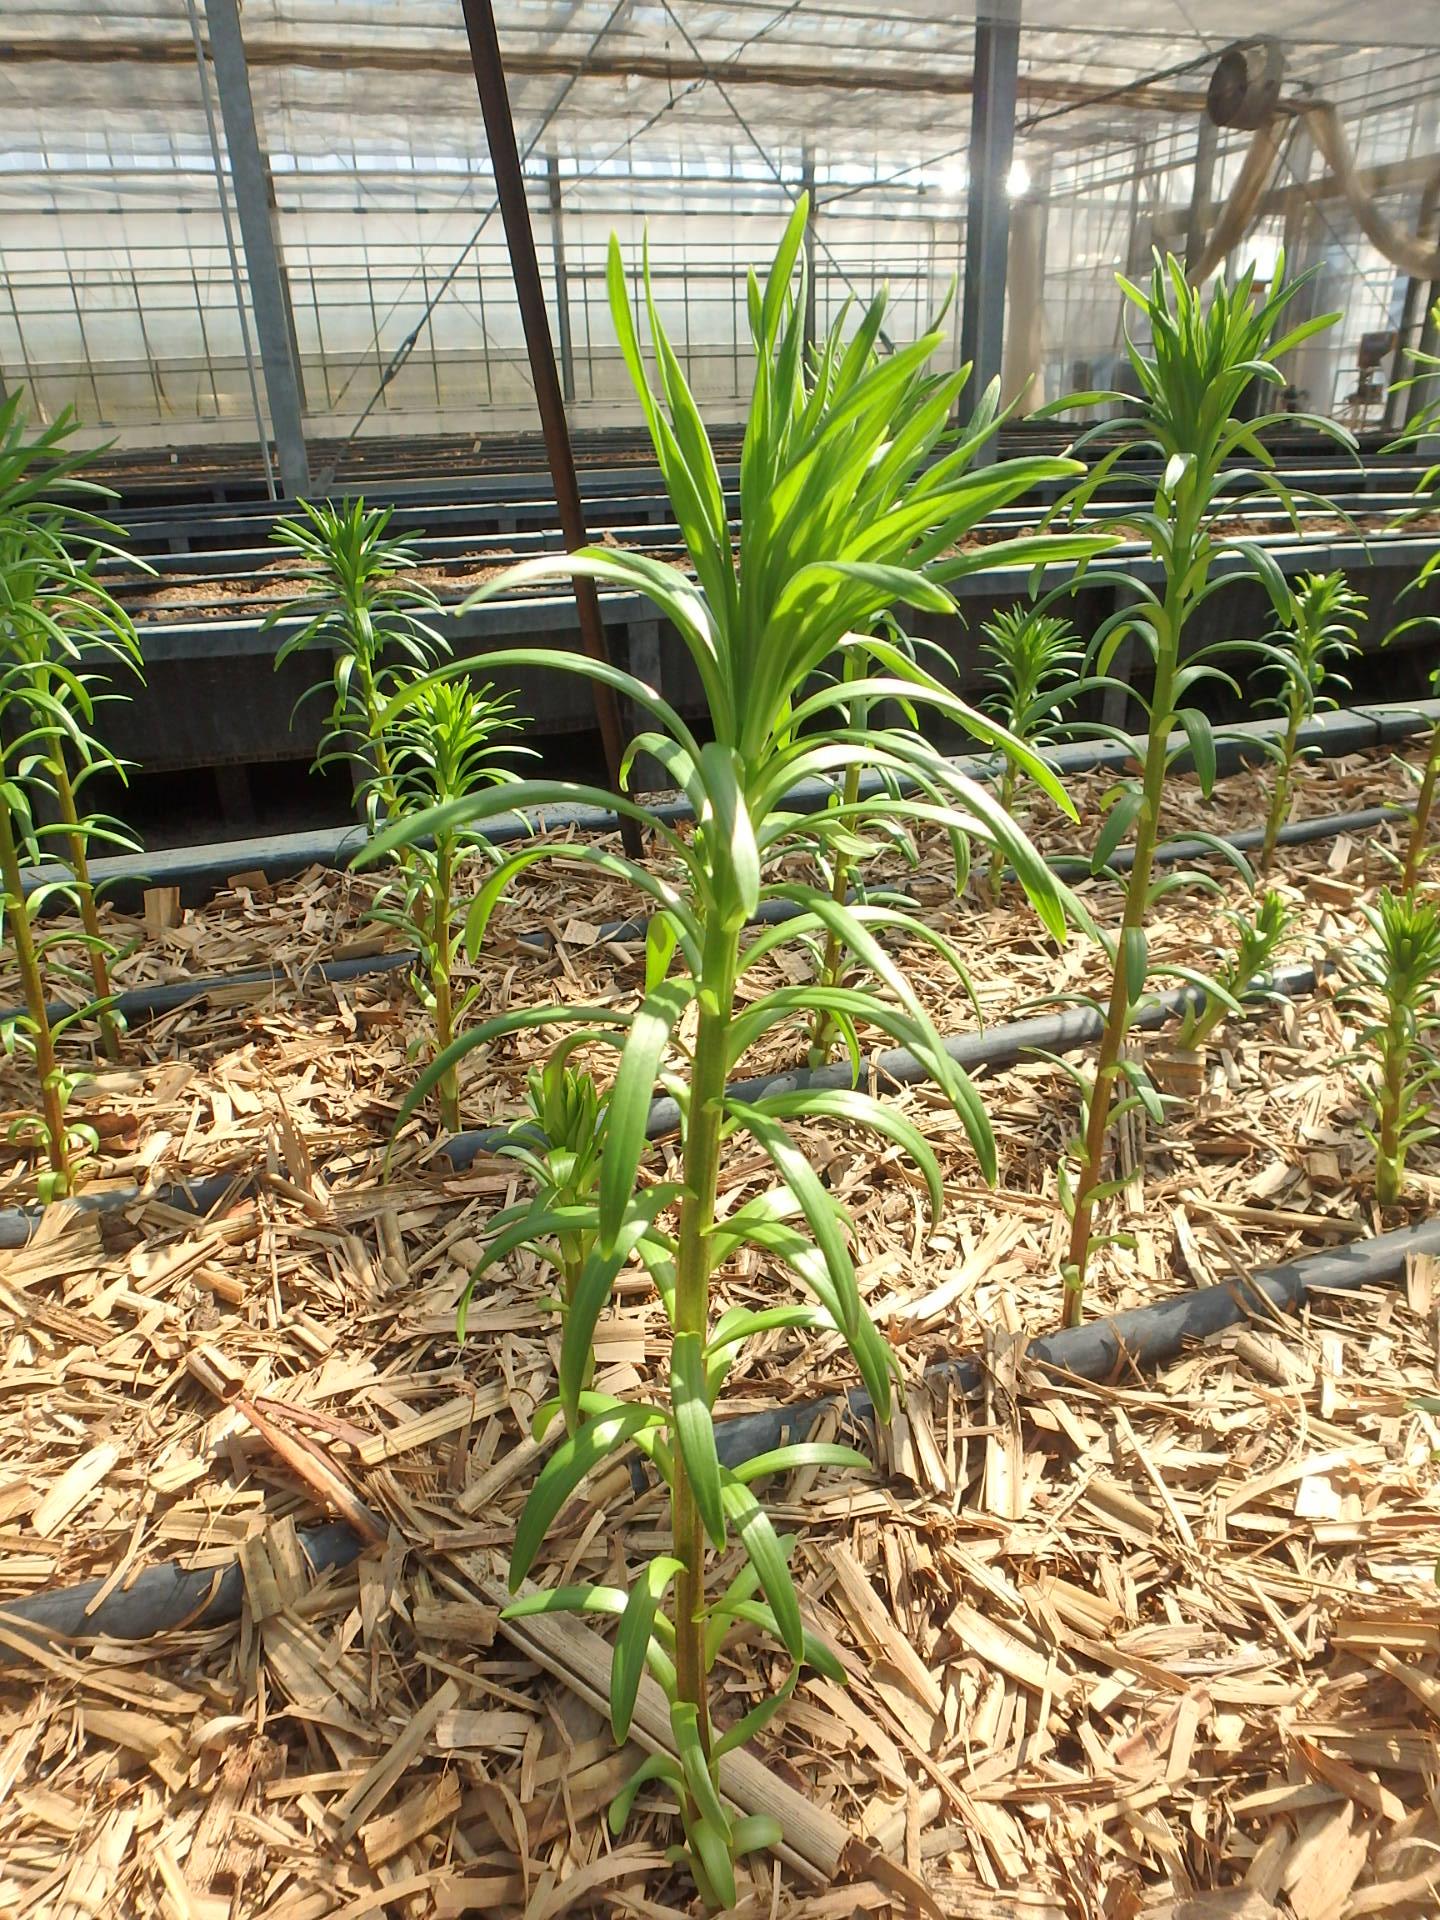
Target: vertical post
column 1023, row 384
column 987, row 221
column 807, row 187
column 255, row 205
column 1312, row 367
column 1202, row 194
column 515, row 212
column 562, row 282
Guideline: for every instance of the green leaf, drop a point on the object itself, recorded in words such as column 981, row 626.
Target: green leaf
column 655, row 1766
column 820, row 1209
column 661, row 936
column 755, row 1613
column 1137, row 963
column 803, row 1453
column 764, row 1553
column 695, row 1431
column 628, row 1113
column 1198, row 732
column 577, row 1456
column 1118, row 822
column 739, row 1324
column 752, row 1723
column 735, row 861
column 593, row 1289
column 714, row 1868
column 861, row 1110
column 604, row 1600
column 756, row 1833
column 685, row 1725
column 632, row 1642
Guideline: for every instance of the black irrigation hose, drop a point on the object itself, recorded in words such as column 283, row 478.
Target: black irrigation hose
column 162, row 1599
column 159, row 1600
column 199, row 872
column 146, row 1003
column 1143, row 1337
column 994, row 1047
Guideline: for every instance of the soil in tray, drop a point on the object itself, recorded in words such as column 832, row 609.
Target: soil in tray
column 1123, row 1645
column 279, row 580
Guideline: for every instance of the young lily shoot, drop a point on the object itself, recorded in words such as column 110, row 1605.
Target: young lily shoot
column 849, row 508
column 1397, row 995
column 361, row 605
column 29, row 729
column 1317, row 633
column 61, row 630
column 442, row 740
column 1243, row 971
column 1035, row 663
column 1207, row 352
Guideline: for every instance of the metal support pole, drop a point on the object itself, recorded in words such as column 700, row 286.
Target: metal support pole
column 987, row 222
column 1202, row 195
column 222, row 195
column 562, row 282
column 515, row 212
column 807, row 187
column 255, row 205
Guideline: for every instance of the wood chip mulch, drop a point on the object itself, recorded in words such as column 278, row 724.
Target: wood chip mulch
column 1150, row 1648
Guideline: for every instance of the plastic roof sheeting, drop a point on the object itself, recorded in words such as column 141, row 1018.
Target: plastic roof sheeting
column 884, row 83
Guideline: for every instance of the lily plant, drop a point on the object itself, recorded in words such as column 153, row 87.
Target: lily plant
column 361, row 604
column 1035, row 663
column 844, row 514
column 1318, row 631
column 61, row 631
column 442, row 740
column 1244, row 969
column 29, row 726
column 1205, row 355
column 1398, row 996
column 560, row 1143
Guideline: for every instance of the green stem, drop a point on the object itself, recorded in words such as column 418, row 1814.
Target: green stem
column 377, row 746
column 1390, row 1155
column 1124, row 991
column 89, row 914
column 692, row 1291
column 34, row 988
column 997, row 858
column 1280, row 798
column 448, row 1090
column 824, row 1030
column 1420, row 831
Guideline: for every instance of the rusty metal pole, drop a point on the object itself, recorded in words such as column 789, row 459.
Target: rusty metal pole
column 515, row 212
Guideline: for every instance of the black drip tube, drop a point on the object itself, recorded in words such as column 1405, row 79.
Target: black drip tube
column 167, row 1597
column 993, row 1047
column 159, row 1599
column 1142, row 1337
column 198, row 872
column 144, row 1003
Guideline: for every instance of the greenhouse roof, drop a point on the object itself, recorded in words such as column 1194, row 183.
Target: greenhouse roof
column 389, row 80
